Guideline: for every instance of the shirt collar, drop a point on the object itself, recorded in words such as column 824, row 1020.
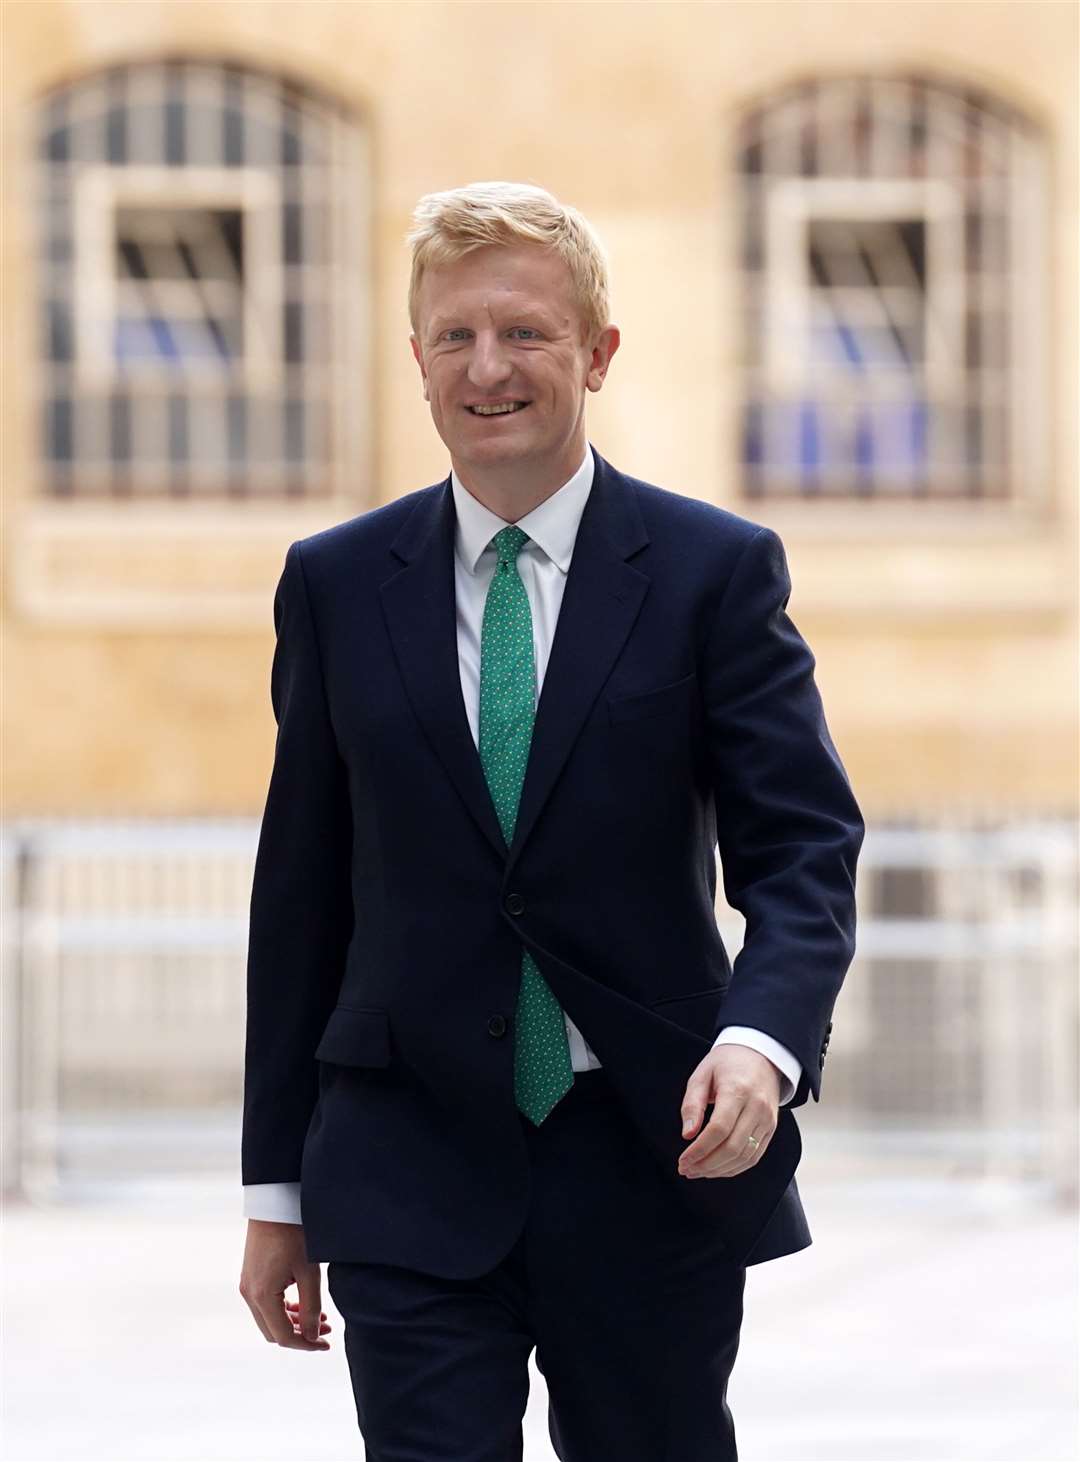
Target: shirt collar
column 552, row 524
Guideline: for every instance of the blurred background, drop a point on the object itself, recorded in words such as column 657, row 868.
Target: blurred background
column 844, row 247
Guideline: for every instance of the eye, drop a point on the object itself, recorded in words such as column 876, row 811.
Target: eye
column 458, row 331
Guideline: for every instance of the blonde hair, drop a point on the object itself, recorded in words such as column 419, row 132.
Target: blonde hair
column 450, row 224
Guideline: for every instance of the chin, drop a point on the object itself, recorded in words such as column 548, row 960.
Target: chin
column 495, row 450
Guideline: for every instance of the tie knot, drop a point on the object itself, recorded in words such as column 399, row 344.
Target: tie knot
column 508, row 542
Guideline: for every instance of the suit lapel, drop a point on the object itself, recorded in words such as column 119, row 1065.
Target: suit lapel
column 421, row 620
column 601, row 600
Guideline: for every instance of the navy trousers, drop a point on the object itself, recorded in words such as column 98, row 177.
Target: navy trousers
column 628, row 1298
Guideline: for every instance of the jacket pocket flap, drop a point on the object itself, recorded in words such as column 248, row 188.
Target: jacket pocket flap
column 655, row 702
column 698, row 1012
column 355, row 1037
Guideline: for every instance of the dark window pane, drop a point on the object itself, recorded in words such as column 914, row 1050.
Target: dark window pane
column 973, row 225
column 291, row 228
column 61, row 247
column 116, row 117
column 862, row 130
column 290, row 138
column 116, row 135
column 185, row 247
column 134, row 264
column 973, row 433
column 294, row 332
column 752, row 158
column 919, row 417
column 809, row 440
column 231, row 224
column 294, row 431
column 808, row 138
column 753, row 436
column 59, row 445
column 175, row 139
column 58, row 145
column 60, row 344
column 917, row 132
column 912, row 233
column 56, row 139
column 119, row 428
column 232, row 139
column 903, row 893
column 864, row 441
column 973, row 333
column 179, row 447
column 237, row 428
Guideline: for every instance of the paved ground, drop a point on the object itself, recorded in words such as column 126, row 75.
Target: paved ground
column 927, row 1323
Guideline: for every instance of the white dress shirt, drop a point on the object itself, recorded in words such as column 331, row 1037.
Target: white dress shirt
column 543, row 564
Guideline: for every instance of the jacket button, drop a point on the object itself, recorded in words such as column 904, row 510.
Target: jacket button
column 515, row 904
column 497, row 1025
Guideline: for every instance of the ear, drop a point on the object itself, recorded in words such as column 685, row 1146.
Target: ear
column 606, row 346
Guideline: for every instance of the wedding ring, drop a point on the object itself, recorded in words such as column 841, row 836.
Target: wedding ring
column 753, row 1142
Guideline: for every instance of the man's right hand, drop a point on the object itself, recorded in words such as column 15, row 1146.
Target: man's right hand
column 274, row 1258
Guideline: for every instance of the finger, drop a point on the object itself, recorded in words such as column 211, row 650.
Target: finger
column 737, row 1153
column 724, row 1116
column 324, row 1328
column 695, row 1100
column 308, row 1287
column 293, row 1308
column 272, row 1308
column 700, row 1094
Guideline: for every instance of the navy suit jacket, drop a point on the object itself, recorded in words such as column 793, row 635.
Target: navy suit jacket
column 678, row 714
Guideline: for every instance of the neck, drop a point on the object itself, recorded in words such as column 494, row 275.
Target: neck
column 512, row 491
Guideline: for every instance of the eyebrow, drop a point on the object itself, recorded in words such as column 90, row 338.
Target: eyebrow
column 527, row 312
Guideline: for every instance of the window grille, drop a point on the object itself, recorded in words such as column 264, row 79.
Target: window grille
column 201, row 336
column 891, row 257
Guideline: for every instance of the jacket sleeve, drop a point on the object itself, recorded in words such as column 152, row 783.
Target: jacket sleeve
column 788, row 826
column 301, row 903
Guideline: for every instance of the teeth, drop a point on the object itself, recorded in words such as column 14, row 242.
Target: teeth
column 498, row 410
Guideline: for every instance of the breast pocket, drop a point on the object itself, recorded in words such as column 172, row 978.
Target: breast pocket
column 662, row 700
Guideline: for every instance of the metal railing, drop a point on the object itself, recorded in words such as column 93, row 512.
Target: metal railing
column 955, row 1034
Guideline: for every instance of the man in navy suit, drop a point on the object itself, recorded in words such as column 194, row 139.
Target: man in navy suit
column 500, row 1072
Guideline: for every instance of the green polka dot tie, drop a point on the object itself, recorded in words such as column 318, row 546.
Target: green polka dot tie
column 542, row 1069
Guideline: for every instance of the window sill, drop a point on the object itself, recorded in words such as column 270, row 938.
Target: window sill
column 930, row 561
column 156, row 566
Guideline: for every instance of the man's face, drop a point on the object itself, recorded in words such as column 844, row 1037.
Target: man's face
column 500, row 326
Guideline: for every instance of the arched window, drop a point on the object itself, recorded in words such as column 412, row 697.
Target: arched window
column 202, row 253
column 892, row 270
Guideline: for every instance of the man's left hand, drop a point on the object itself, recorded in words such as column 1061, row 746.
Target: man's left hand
column 744, row 1088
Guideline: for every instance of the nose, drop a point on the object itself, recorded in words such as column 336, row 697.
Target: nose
column 489, row 363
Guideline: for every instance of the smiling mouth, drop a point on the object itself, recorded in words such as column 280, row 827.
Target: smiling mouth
column 509, row 408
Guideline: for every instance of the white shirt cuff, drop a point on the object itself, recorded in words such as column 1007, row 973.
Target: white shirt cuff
column 273, row 1202
column 789, row 1066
